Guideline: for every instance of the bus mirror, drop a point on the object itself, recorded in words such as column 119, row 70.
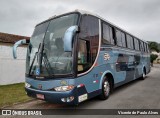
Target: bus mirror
column 68, row 38
column 18, row 43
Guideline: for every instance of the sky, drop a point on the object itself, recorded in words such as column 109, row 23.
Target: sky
column 139, row 17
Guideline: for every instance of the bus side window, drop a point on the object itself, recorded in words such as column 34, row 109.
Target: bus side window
column 142, row 46
column 136, row 44
column 123, row 39
column 114, row 35
column 147, row 48
column 107, row 34
column 130, row 42
column 118, row 37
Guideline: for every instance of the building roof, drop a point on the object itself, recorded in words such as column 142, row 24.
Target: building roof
column 11, row 38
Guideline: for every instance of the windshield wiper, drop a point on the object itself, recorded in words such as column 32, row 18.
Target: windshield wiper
column 44, row 58
column 47, row 64
column 34, row 59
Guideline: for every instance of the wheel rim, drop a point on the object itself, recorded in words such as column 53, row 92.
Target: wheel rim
column 106, row 88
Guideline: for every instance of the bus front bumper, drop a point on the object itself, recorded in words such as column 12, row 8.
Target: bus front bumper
column 68, row 97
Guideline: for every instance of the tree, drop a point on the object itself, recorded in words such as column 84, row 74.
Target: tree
column 152, row 58
column 154, row 46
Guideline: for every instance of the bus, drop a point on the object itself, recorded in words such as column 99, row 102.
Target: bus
column 78, row 55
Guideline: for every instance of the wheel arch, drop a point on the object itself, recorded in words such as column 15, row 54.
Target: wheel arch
column 110, row 75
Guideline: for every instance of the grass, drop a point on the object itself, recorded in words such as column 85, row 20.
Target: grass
column 10, row 94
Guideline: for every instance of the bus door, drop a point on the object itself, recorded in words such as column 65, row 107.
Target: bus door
column 88, row 45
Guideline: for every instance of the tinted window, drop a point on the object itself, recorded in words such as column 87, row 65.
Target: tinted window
column 141, row 46
column 123, row 39
column 130, row 42
column 89, row 28
column 118, row 37
column 107, row 34
column 136, row 43
column 145, row 46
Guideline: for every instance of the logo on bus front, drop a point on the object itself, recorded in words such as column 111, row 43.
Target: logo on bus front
column 63, row 82
column 39, row 86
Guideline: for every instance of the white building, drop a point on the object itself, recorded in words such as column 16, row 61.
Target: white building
column 11, row 70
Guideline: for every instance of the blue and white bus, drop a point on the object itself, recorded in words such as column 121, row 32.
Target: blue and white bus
column 78, row 55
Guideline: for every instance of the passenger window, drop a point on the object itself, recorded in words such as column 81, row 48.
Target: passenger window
column 136, row 44
column 107, row 34
column 132, row 45
column 145, row 47
column 130, row 42
column 123, row 39
column 142, row 46
column 118, row 37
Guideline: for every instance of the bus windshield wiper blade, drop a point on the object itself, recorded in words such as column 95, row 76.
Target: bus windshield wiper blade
column 34, row 59
column 47, row 64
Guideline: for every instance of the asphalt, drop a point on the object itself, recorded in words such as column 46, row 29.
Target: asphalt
column 138, row 94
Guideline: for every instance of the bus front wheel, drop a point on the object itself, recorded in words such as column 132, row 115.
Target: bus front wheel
column 106, row 89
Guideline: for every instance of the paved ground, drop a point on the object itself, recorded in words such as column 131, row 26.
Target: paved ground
column 139, row 94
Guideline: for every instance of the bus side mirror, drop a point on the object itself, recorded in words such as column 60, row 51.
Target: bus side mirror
column 18, row 43
column 68, row 38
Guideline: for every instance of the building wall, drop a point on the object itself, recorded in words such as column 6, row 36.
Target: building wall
column 11, row 70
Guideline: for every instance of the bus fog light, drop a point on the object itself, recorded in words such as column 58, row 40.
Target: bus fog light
column 68, row 99
column 63, row 99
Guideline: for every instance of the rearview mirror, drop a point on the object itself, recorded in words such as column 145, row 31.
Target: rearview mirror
column 18, row 43
column 68, row 38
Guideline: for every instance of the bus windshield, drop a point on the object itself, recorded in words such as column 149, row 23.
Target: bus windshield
column 47, row 40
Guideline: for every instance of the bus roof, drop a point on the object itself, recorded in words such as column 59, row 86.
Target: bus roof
column 93, row 14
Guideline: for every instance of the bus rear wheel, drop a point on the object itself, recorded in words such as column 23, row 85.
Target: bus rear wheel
column 143, row 75
column 106, row 89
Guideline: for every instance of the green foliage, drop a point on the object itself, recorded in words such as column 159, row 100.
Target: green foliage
column 153, row 57
column 154, row 46
column 14, row 93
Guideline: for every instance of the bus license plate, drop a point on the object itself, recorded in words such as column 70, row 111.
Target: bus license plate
column 40, row 96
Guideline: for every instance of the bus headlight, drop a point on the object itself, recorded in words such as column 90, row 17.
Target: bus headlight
column 64, row 88
column 27, row 85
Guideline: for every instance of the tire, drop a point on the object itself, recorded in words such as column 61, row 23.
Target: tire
column 106, row 89
column 143, row 77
